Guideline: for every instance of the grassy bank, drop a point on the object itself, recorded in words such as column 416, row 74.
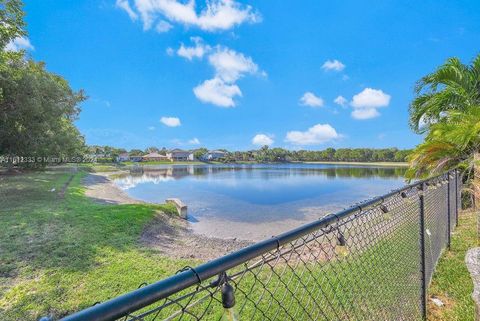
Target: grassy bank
column 59, row 251
column 451, row 282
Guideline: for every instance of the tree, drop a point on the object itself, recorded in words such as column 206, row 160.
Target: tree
column 198, row 153
column 152, row 149
column 451, row 143
column 453, row 86
column 136, row 152
column 13, row 25
column 37, row 108
column 450, row 109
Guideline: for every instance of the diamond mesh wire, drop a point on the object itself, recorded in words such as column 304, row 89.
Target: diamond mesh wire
column 362, row 266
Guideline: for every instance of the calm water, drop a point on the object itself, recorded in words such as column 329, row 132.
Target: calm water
column 256, row 194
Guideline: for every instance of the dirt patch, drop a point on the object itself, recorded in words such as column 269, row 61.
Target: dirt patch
column 173, row 237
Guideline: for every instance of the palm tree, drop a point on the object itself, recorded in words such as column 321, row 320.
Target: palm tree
column 453, row 86
column 453, row 142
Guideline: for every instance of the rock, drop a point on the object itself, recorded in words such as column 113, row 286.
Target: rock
column 437, row 302
column 181, row 208
column 472, row 259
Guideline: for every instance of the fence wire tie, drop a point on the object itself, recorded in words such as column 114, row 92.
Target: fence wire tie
column 222, row 279
column 189, row 268
column 384, row 208
column 278, row 244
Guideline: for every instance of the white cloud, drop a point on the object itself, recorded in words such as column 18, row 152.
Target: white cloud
column 170, row 121
column 198, row 51
column 229, row 66
column 340, row 100
column 366, row 103
column 365, row 113
column 170, row 51
column 262, row 140
column 163, row 26
column 309, row 99
column 217, row 92
column 217, row 14
column 333, row 65
column 151, row 127
column 194, row 141
column 19, row 43
column 318, row 134
column 125, row 5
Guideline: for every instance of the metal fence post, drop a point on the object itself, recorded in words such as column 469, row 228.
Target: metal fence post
column 456, row 197
column 448, row 212
column 423, row 285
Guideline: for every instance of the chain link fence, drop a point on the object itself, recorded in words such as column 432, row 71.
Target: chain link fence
column 373, row 261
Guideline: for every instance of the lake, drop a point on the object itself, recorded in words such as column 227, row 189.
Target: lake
column 257, row 201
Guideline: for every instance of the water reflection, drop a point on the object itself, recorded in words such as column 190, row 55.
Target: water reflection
column 260, row 193
column 162, row 174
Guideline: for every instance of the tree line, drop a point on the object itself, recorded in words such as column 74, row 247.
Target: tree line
column 266, row 154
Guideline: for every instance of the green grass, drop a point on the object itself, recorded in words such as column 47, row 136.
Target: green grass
column 60, row 254
column 451, row 282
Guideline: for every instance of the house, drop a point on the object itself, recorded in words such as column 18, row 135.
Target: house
column 137, row 158
column 214, row 155
column 178, row 155
column 123, row 157
column 154, row 157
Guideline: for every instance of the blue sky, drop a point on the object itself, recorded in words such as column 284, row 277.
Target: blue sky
column 237, row 74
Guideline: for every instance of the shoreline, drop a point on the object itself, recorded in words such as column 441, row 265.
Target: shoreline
column 168, row 234
column 100, row 188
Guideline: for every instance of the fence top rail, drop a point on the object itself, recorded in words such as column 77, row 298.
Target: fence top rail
column 135, row 300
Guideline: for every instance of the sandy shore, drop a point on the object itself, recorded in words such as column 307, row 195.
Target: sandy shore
column 102, row 190
column 172, row 236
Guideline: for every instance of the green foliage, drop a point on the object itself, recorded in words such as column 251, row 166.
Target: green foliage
column 450, row 143
column 266, row 154
column 37, row 108
column 12, row 26
column 453, row 86
column 136, row 152
column 152, row 149
column 198, row 153
column 448, row 101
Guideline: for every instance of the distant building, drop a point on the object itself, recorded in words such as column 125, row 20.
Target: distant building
column 179, row 155
column 191, row 157
column 214, row 155
column 154, row 157
column 123, row 157
column 137, row 158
